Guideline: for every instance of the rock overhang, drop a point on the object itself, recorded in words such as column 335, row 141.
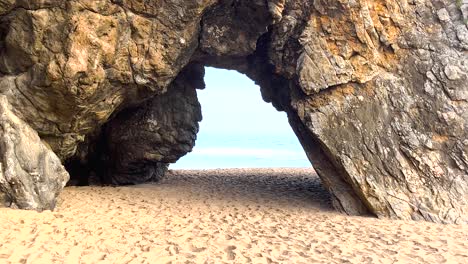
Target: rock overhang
column 376, row 95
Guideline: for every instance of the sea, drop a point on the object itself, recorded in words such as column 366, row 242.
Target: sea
column 240, row 130
column 215, row 151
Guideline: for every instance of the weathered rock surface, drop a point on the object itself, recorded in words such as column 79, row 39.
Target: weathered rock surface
column 140, row 142
column 377, row 91
column 69, row 65
column 396, row 124
column 31, row 175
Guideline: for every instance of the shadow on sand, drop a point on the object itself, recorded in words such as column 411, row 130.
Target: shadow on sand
column 291, row 187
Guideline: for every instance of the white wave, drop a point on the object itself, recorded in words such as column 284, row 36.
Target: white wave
column 256, row 152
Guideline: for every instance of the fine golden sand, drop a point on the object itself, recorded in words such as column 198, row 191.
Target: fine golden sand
column 219, row 216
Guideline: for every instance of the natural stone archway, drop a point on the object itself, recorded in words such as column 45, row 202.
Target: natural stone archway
column 376, row 91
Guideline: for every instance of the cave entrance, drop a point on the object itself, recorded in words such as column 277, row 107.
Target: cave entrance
column 240, row 130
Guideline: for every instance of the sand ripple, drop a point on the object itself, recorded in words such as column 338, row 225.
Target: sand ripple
column 219, row 216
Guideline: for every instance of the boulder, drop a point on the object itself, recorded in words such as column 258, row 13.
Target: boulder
column 31, row 175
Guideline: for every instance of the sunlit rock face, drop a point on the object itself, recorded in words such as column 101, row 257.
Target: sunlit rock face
column 31, row 175
column 69, row 65
column 376, row 91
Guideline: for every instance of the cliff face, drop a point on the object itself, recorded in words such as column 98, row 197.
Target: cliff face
column 69, row 65
column 376, row 91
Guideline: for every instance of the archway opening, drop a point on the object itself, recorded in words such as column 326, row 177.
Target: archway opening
column 260, row 156
column 240, row 130
column 246, row 151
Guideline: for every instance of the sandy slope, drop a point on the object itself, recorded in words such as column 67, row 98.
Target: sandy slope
column 232, row 216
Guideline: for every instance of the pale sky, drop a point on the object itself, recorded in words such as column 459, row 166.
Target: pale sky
column 239, row 129
column 231, row 102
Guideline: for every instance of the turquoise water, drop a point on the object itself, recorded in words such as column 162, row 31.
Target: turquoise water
column 239, row 129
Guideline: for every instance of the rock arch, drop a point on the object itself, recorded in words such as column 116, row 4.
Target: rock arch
column 376, row 94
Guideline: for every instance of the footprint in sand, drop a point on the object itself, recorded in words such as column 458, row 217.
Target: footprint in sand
column 231, row 255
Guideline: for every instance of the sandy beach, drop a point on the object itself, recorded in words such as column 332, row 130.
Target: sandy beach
column 219, row 216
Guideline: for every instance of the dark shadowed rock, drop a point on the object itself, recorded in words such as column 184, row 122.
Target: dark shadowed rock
column 31, row 175
column 139, row 143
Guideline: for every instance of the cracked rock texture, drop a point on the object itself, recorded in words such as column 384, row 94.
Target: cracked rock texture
column 140, row 142
column 31, row 175
column 69, row 65
column 376, row 91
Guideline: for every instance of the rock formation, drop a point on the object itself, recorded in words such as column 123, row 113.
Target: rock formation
column 31, row 175
column 141, row 141
column 376, row 91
